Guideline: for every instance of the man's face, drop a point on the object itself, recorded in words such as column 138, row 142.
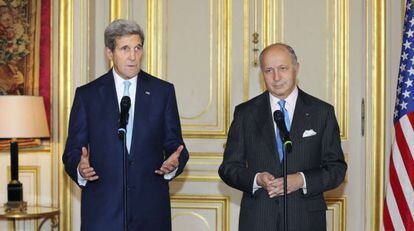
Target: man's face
column 279, row 71
column 126, row 55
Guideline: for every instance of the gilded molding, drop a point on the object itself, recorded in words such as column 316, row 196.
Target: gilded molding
column 338, row 205
column 340, row 61
column 65, row 85
column 116, row 9
column 378, row 95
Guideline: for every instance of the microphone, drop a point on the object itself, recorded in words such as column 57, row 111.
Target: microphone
column 123, row 118
column 279, row 118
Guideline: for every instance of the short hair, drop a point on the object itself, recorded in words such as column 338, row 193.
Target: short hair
column 119, row 28
column 288, row 48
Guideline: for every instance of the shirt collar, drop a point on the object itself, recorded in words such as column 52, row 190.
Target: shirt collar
column 119, row 80
column 290, row 100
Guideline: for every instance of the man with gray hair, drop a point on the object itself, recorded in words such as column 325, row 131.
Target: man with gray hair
column 254, row 152
column 156, row 153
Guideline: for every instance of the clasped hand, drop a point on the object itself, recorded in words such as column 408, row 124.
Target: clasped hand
column 274, row 186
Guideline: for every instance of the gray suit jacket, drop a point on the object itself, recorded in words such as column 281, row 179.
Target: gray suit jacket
column 251, row 148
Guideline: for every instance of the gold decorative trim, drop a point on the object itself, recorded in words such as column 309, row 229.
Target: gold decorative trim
column 246, row 48
column 340, row 62
column 340, row 202
column 44, row 150
column 198, row 178
column 36, row 58
column 116, row 9
column 151, row 39
column 378, row 112
column 266, row 22
column 65, row 85
column 54, row 158
column 209, row 202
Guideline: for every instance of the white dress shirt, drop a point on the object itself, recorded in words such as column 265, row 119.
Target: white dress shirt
column 290, row 108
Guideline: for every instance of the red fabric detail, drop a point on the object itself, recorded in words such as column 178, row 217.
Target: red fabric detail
column 44, row 56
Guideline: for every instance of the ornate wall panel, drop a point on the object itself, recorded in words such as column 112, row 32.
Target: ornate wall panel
column 336, row 214
column 193, row 53
column 200, row 212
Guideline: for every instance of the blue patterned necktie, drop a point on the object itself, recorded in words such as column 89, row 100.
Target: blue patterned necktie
column 287, row 122
column 127, row 84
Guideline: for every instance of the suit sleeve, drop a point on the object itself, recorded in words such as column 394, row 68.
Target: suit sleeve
column 77, row 137
column 233, row 170
column 172, row 130
column 332, row 171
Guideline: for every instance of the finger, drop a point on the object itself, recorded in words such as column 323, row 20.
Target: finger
column 271, row 177
column 166, row 169
column 93, row 178
column 86, row 170
column 85, row 153
column 159, row 172
column 89, row 174
column 178, row 151
column 169, row 165
column 83, row 165
column 273, row 193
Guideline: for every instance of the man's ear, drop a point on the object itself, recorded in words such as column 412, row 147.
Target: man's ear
column 108, row 53
column 297, row 67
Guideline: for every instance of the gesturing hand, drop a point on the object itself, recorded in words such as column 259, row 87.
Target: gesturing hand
column 171, row 163
column 85, row 170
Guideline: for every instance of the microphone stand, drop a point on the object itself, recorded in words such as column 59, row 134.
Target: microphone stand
column 122, row 131
column 124, row 178
column 285, row 208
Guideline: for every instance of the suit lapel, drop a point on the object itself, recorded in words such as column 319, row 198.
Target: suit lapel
column 301, row 117
column 263, row 117
column 107, row 93
column 142, row 108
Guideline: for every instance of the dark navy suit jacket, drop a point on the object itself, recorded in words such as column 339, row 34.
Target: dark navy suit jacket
column 156, row 134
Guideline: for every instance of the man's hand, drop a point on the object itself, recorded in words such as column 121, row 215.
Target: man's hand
column 171, row 163
column 85, row 170
column 264, row 180
column 294, row 182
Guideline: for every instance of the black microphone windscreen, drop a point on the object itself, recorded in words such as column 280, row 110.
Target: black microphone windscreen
column 125, row 101
column 278, row 115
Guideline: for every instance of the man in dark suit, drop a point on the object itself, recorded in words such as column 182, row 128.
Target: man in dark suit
column 252, row 159
column 93, row 155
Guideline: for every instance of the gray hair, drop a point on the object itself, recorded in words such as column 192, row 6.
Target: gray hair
column 288, row 48
column 119, row 28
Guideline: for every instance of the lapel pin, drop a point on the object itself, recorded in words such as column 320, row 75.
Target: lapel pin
column 148, row 93
column 307, row 114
